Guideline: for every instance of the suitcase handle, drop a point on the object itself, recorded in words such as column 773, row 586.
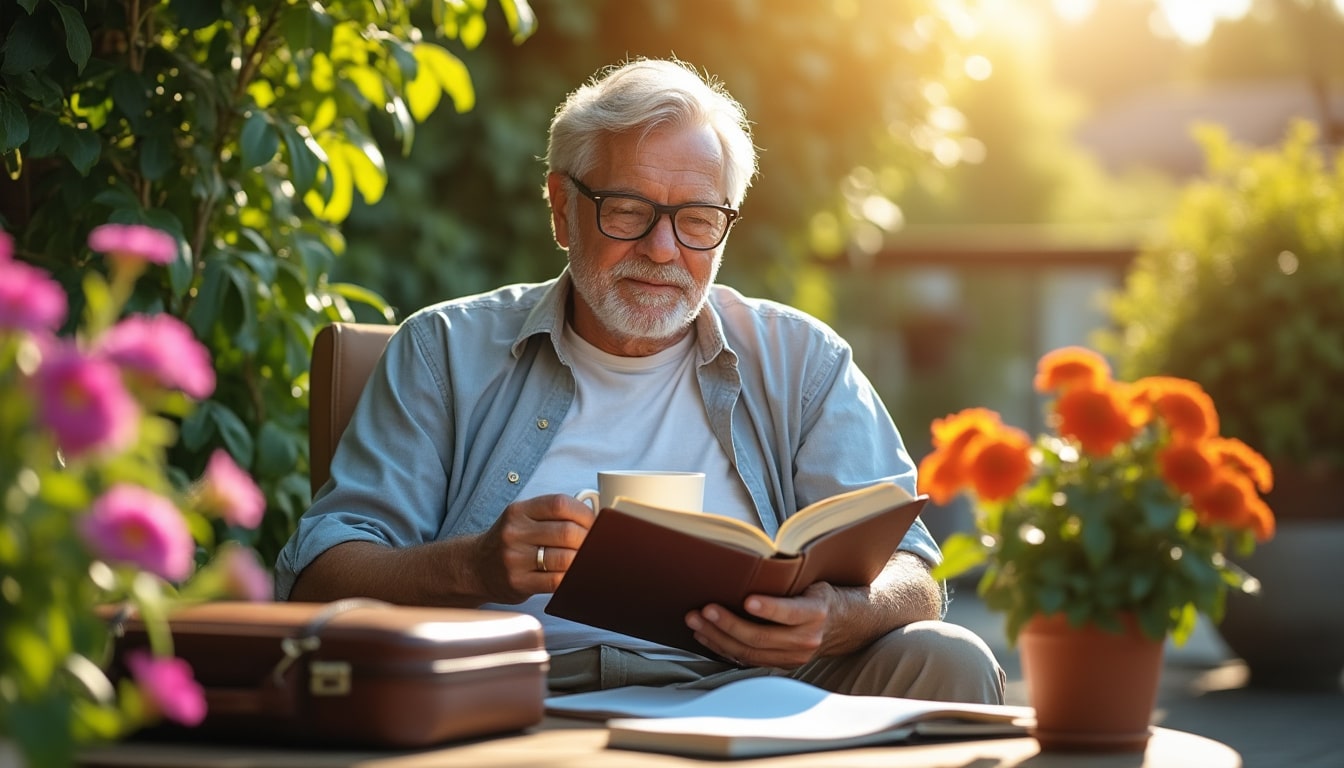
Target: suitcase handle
column 277, row 696
column 308, row 640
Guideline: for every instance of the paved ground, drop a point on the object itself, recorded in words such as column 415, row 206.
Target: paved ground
column 1204, row 691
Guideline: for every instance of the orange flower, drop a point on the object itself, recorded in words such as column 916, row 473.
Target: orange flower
column 1185, row 407
column 999, row 463
column 1097, row 418
column 1231, row 501
column 1242, row 458
column 943, row 473
column 955, row 427
column 1070, row 367
column 1188, row 466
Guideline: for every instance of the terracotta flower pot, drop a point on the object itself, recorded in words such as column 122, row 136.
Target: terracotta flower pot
column 1093, row 691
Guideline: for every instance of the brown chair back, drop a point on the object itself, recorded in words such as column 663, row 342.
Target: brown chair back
column 343, row 357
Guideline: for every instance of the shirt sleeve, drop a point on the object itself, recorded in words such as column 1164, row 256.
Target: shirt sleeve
column 388, row 475
column 849, row 441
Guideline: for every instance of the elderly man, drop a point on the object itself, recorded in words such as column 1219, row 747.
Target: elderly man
column 458, row 471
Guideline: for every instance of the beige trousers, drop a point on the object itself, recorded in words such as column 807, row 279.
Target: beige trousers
column 931, row 660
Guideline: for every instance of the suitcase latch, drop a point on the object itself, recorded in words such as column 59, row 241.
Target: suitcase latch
column 329, row 678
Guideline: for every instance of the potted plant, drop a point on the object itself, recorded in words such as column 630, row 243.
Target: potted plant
column 1106, row 534
column 1240, row 291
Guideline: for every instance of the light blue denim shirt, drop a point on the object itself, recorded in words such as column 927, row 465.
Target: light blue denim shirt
column 469, row 393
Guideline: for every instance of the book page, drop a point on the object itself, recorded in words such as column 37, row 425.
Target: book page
column 769, row 696
column 836, row 512
column 763, row 725
column 706, row 525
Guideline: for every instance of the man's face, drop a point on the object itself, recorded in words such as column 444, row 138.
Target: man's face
column 636, row 297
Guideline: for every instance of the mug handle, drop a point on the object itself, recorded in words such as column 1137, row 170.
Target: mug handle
column 591, row 498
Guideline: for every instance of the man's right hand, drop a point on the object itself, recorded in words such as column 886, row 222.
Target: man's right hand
column 531, row 546
column 497, row 566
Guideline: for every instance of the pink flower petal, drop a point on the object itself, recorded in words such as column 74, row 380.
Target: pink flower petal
column 134, row 242
column 169, row 686
column 83, row 402
column 129, row 524
column 29, row 299
column 245, row 577
column 229, row 492
column 164, row 348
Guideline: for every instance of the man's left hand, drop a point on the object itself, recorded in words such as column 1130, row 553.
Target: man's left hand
column 793, row 633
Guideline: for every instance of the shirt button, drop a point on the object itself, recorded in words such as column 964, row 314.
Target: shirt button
column 543, row 423
column 513, row 477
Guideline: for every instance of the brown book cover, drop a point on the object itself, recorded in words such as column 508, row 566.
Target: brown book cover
column 642, row 569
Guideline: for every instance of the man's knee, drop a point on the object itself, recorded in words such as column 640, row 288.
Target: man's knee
column 954, row 663
column 925, row 660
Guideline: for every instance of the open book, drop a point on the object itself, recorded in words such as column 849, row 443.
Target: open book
column 771, row 715
column 642, row 568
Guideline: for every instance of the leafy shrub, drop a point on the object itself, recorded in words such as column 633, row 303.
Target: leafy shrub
column 1242, row 293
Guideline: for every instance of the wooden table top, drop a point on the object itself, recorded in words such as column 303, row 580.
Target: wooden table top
column 565, row 743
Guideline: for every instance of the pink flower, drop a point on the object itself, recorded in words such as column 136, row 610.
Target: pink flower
column 244, row 578
column 129, row 524
column 169, row 687
column 133, row 242
column 162, row 347
column 83, row 402
column 29, row 299
column 229, row 492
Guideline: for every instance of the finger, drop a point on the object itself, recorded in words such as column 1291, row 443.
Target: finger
column 790, row 611
column 558, row 506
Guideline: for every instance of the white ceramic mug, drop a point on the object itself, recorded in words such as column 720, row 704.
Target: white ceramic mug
column 676, row 490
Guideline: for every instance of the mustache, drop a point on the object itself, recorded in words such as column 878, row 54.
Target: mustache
column 654, row 273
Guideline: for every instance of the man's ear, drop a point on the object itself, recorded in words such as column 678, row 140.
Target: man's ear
column 557, row 192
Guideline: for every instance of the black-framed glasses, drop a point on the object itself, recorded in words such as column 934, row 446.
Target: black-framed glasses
column 698, row 226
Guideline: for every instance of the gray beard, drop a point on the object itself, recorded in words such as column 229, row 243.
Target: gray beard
column 642, row 316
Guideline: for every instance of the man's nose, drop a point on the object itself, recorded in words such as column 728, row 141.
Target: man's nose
column 661, row 242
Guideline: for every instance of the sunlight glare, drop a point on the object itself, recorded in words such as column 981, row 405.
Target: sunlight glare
column 1074, row 11
column 1192, row 21
column 979, row 68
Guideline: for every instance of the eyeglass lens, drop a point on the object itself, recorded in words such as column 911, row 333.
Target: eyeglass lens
column 696, row 226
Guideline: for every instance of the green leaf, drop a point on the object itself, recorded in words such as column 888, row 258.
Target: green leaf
column 28, row 47
column 277, row 450
column 450, row 73
column 13, row 124
column 197, row 14
column 182, row 269
column 41, row 88
column 366, row 296
column 366, row 164
column 77, row 41
column 263, row 265
column 130, row 94
column 961, row 553
column 44, row 135
column 522, row 21
column 305, row 156
column 234, row 433
column 209, row 304
column 258, row 139
column 198, row 427
column 156, row 156
column 306, row 26
column 472, row 31
column 81, row 147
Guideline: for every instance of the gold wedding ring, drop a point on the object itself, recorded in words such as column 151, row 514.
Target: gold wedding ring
column 541, row 559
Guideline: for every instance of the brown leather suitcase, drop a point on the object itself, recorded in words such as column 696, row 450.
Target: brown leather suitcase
column 356, row 672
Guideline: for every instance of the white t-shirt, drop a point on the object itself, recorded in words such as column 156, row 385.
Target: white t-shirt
column 631, row 413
